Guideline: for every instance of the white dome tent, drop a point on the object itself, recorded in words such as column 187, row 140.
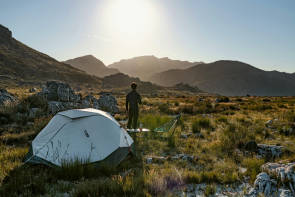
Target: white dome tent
column 80, row 134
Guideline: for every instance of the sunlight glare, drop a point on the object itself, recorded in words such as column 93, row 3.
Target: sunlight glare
column 130, row 18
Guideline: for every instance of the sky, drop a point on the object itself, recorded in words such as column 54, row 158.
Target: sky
column 258, row 32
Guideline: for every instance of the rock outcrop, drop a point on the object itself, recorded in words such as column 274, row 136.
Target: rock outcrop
column 274, row 173
column 61, row 96
column 6, row 98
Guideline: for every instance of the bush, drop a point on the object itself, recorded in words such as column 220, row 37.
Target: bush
column 233, row 137
column 33, row 101
column 203, row 123
column 164, row 108
column 253, row 167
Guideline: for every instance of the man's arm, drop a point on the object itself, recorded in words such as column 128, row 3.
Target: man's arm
column 127, row 103
column 139, row 99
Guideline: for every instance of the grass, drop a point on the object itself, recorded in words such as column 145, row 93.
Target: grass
column 218, row 155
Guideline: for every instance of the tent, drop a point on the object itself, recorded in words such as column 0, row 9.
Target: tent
column 87, row 135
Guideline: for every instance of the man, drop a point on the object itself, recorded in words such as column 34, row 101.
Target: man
column 132, row 101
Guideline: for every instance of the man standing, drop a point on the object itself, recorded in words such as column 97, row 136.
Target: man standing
column 132, row 101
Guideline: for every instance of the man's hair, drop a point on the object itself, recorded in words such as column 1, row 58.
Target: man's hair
column 133, row 85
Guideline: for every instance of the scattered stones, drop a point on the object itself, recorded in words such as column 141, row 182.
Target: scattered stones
column 161, row 159
column 185, row 135
column 272, row 151
column 6, row 98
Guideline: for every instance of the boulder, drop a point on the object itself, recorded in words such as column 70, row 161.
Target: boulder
column 263, row 185
column 59, row 91
column 6, row 98
column 108, row 103
column 272, row 151
column 55, row 106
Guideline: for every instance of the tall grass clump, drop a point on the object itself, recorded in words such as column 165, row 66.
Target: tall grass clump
column 233, row 137
column 203, row 123
column 253, row 167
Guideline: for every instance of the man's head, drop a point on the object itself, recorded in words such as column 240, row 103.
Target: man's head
column 133, row 86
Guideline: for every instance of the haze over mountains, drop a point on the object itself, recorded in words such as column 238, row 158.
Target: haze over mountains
column 21, row 64
column 91, row 65
column 232, row 78
column 146, row 66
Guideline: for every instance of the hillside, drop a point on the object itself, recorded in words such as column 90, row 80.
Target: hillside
column 21, row 64
column 91, row 65
column 146, row 66
column 231, row 78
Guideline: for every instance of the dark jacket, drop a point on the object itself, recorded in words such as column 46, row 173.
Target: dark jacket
column 132, row 100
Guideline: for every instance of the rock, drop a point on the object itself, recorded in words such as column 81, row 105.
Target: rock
column 149, row 160
column 272, row 151
column 185, row 135
column 6, row 98
column 66, row 195
column 263, row 185
column 55, row 106
column 251, row 146
column 34, row 112
column 58, row 91
column 32, row 90
column 108, row 103
column 285, row 193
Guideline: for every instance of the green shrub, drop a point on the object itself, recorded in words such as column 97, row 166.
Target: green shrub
column 203, row 123
column 253, row 167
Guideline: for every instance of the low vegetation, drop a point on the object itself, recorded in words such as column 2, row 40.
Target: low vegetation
column 216, row 137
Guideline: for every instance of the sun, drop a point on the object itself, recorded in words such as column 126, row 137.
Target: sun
column 130, row 18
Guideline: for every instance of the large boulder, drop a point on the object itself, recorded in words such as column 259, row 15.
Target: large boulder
column 58, row 91
column 6, row 98
column 61, row 96
column 108, row 102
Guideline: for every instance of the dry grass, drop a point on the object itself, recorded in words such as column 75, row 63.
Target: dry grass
column 225, row 128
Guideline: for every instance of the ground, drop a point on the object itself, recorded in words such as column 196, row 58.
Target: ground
column 211, row 135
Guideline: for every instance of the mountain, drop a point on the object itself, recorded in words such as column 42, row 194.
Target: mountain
column 232, row 78
column 21, row 64
column 146, row 66
column 91, row 65
column 123, row 81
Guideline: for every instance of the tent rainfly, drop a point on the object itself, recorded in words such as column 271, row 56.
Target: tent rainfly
column 87, row 135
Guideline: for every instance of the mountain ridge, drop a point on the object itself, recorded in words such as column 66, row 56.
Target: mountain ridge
column 91, row 65
column 146, row 66
column 21, row 63
column 231, row 78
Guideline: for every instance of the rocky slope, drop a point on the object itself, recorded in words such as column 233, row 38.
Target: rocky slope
column 230, row 78
column 91, row 65
column 21, row 64
column 146, row 66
